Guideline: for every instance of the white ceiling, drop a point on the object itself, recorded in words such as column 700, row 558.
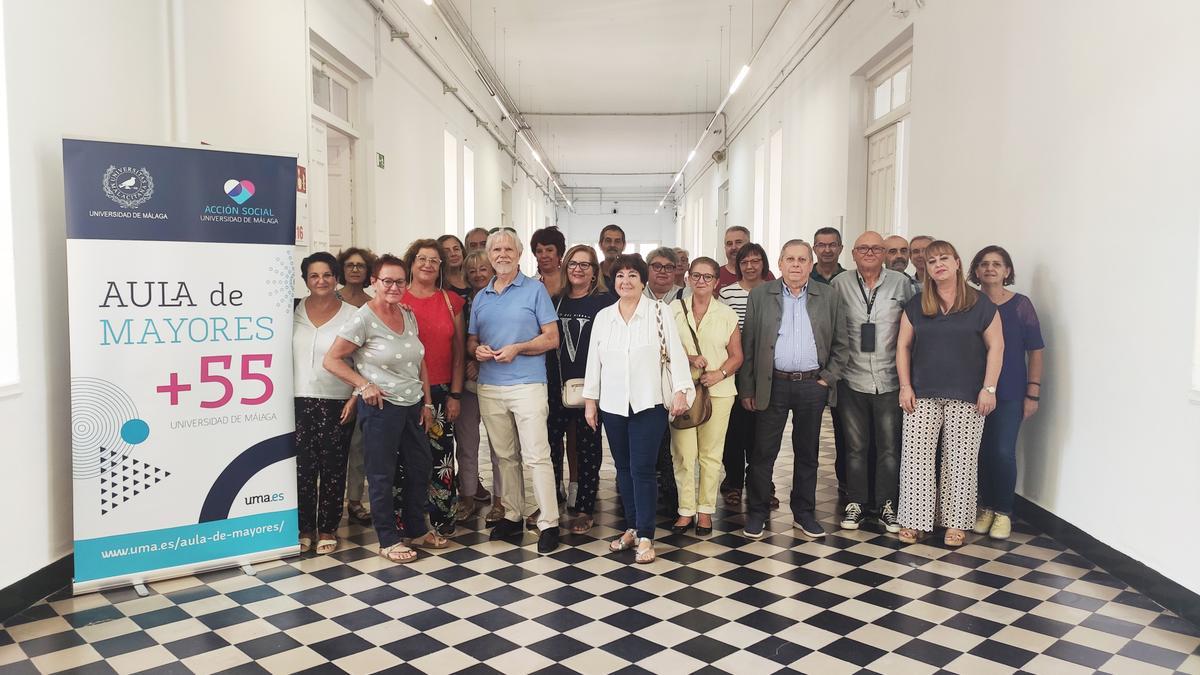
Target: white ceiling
column 617, row 56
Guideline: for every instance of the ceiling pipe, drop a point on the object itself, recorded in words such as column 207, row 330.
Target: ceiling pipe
column 400, row 30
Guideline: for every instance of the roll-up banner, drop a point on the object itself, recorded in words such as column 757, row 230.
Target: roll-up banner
column 180, row 286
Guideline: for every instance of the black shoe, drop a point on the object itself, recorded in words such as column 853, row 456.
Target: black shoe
column 506, row 529
column 853, row 517
column 682, row 529
column 548, row 540
column 703, row 531
column 808, row 525
column 753, row 528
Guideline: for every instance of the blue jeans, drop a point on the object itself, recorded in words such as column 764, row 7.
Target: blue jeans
column 633, row 440
column 998, row 456
column 390, row 435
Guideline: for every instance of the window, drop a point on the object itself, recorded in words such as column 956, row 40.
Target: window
column 333, row 90
column 9, row 365
column 890, row 89
column 775, row 213
column 450, row 180
column 468, row 190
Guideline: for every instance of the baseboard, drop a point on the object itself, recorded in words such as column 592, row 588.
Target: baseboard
column 23, row 594
column 1152, row 584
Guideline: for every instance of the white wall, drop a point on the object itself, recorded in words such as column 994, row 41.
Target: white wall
column 1064, row 134
column 181, row 72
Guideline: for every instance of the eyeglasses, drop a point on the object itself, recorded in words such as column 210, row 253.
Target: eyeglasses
column 579, row 264
column 864, row 250
column 388, row 283
column 355, row 266
column 659, row 267
column 824, row 246
column 751, row 261
column 425, row 260
column 706, row 278
column 494, row 230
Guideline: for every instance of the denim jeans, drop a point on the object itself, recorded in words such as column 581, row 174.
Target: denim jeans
column 805, row 401
column 865, row 416
column 633, row 441
column 393, row 434
column 998, row 456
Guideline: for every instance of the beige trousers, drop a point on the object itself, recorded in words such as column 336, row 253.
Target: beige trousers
column 700, row 450
column 515, row 419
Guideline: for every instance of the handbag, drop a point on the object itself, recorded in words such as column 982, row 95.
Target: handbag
column 571, row 393
column 700, row 408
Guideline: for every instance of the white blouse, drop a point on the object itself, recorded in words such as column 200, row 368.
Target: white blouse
column 623, row 367
column 309, row 344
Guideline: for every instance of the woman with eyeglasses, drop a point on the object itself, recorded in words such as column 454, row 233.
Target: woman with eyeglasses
column 395, row 407
column 713, row 342
column 456, row 278
column 355, row 277
column 1017, row 393
column 324, row 405
column 752, row 271
column 624, row 383
column 584, row 295
column 948, row 359
column 441, row 328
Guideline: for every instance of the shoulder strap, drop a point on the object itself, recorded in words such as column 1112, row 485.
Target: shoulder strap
column 449, row 307
column 695, row 340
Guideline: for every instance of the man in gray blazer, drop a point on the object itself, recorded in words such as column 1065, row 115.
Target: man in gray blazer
column 794, row 342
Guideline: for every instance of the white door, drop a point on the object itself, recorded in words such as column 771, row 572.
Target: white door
column 340, row 168
column 318, row 185
column 881, row 180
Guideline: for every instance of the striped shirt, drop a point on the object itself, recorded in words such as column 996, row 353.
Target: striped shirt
column 735, row 297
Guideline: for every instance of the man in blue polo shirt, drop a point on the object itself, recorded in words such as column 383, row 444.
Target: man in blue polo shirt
column 513, row 325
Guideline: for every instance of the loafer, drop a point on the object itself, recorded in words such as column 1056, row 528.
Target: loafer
column 548, row 540
column 506, row 529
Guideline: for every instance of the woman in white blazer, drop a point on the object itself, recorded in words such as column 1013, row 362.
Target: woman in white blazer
column 623, row 385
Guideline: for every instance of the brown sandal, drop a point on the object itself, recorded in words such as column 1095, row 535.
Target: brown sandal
column 581, row 524
column 430, row 539
column 908, row 535
column 954, row 537
column 733, row 498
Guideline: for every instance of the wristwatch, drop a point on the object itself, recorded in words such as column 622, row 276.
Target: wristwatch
column 990, row 390
column 723, row 373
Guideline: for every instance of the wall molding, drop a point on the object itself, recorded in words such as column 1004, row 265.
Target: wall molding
column 1150, row 583
column 23, row 594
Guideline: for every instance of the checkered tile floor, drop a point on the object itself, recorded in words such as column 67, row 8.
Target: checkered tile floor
column 855, row 602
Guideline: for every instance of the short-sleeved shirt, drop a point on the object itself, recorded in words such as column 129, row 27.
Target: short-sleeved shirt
column 714, row 330
column 872, row 372
column 389, row 360
column 575, row 319
column 1022, row 333
column 949, row 357
column 512, row 316
column 309, row 344
column 435, row 326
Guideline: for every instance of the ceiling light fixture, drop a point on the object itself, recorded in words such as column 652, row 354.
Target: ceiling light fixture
column 733, row 87
column 429, row 2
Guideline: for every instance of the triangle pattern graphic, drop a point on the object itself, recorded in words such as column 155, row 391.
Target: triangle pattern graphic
column 123, row 478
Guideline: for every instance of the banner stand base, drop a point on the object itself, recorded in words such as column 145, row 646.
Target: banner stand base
column 142, row 591
column 249, row 569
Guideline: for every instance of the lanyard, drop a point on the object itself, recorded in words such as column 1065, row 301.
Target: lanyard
column 862, row 289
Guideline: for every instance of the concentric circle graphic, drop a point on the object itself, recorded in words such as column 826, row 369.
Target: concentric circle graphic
column 100, row 416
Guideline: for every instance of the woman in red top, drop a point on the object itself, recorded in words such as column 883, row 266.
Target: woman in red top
column 441, row 329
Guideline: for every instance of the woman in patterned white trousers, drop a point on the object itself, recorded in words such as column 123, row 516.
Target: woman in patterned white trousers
column 948, row 357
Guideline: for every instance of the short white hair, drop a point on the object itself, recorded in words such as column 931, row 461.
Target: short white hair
column 505, row 232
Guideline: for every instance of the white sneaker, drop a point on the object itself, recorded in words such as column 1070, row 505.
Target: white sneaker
column 983, row 522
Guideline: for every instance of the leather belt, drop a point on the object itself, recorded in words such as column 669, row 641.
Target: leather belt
column 796, row 377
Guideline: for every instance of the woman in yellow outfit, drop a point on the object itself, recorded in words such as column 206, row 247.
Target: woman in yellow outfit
column 710, row 335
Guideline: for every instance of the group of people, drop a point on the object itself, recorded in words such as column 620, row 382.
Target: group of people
column 690, row 368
